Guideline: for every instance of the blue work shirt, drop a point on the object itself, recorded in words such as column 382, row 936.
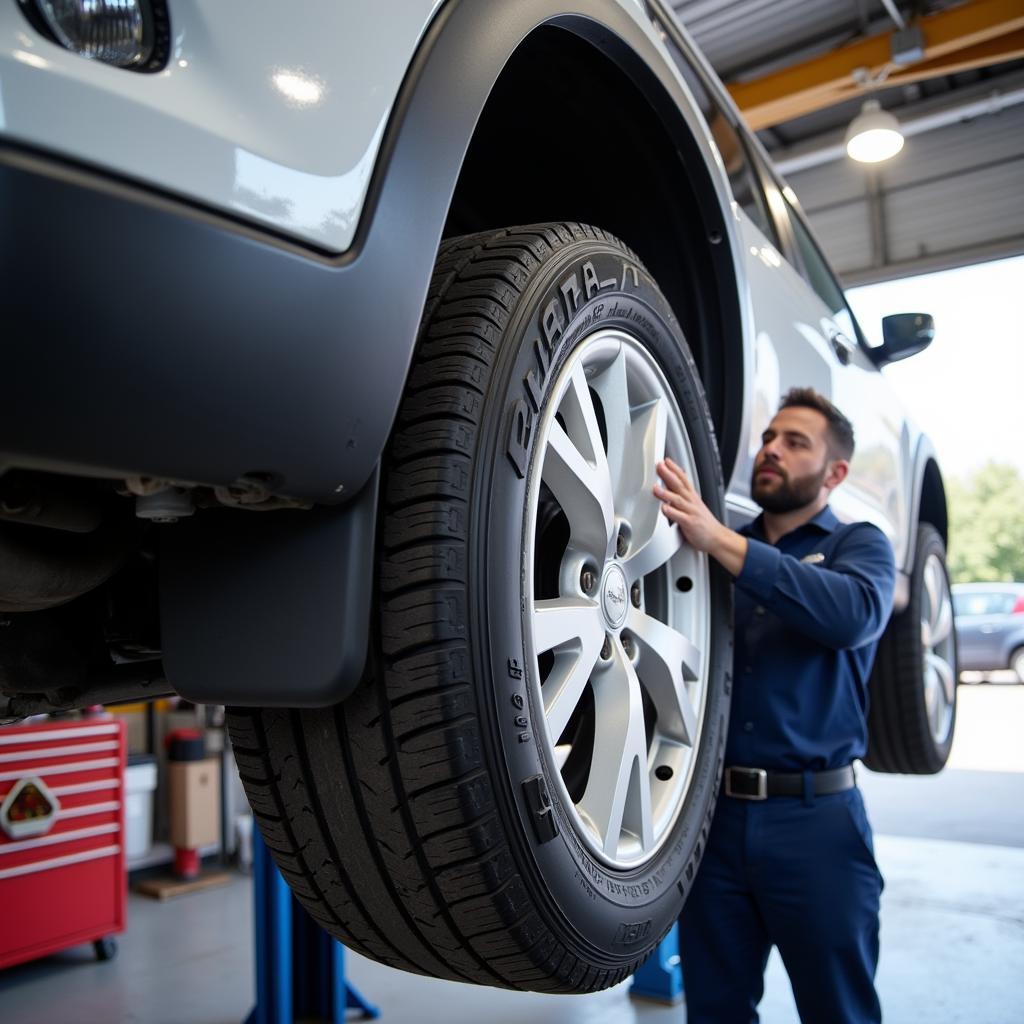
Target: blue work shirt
column 809, row 612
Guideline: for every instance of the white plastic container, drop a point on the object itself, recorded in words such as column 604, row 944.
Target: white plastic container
column 243, row 829
column 139, row 786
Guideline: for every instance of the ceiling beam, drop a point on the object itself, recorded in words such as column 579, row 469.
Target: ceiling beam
column 984, row 55
column 979, row 31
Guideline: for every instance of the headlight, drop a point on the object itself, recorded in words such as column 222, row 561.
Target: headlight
column 125, row 33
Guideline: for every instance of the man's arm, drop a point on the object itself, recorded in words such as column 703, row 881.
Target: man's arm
column 843, row 606
column 685, row 507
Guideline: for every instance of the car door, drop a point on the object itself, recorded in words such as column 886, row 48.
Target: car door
column 994, row 628
column 971, row 614
column 786, row 351
column 877, row 487
column 789, row 349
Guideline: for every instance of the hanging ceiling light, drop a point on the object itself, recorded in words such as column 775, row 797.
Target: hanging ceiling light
column 874, row 134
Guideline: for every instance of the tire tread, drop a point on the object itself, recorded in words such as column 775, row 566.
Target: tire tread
column 899, row 738
column 435, row 889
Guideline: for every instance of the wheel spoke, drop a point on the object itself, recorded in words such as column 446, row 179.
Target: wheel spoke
column 576, row 469
column 564, row 620
column 612, row 387
column 933, row 590
column 931, row 696
column 618, row 793
column 667, row 660
column 942, row 624
column 644, row 448
column 926, row 634
column 653, row 551
column 577, row 410
column 568, row 679
column 944, row 676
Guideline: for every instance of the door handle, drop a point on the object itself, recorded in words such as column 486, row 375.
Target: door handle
column 841, row 345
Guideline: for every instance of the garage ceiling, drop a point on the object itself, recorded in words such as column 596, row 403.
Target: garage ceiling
column 800, row 70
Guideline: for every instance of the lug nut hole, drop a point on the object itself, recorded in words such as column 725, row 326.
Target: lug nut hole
column 685, row 584
column 623, row 539
column 663, row 773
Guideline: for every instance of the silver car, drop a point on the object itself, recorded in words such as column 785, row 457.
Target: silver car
column 990, row 626
column 338, row 352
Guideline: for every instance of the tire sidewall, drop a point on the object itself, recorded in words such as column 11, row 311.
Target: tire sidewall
column 929, row 543
column 624, row 911
column 1017, row 663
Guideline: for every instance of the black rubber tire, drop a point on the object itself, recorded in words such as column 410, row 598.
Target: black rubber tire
column 105, row 948
column 1017, row 659
column 899, row 737
column 399, row 818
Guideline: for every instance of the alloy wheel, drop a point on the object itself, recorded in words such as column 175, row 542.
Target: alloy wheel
column 939, row 655
column 617, row 603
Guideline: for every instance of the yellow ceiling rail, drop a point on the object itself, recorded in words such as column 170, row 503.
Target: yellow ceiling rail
column 964, row 37
column 995, row 51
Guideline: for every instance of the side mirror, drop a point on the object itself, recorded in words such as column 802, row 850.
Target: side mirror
column 903, row 335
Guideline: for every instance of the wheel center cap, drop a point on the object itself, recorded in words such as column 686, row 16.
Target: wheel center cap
column 613, row 596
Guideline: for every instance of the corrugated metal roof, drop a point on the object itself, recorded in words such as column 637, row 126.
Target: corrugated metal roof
column 845, row 234
column 958, row 189
column 953, row 194
column 992, row 138
column 933, row 218
column 738, row 34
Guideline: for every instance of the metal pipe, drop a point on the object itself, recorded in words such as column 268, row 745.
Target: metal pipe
column 894, row 13
column 115, row 685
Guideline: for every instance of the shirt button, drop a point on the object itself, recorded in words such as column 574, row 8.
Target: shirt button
column 748, row 726
column 759, row 610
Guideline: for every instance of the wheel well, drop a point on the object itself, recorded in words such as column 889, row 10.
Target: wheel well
column 932, row 508
column 567, row 134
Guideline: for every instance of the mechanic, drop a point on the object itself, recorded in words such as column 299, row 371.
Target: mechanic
column 789, row 859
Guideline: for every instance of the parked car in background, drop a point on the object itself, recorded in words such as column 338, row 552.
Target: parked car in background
column 990, row 626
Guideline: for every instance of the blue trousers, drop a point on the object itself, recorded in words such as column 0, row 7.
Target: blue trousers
column 799, row 874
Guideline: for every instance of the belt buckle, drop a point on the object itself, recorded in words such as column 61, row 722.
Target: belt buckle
column 754, row 783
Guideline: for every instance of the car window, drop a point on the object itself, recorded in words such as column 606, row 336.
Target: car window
column 999, row 603
column 746, row 188
column 820, row 277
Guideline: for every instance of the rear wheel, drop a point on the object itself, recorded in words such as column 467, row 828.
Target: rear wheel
column 519, row 792
column 1017, row 663
column 913, row 684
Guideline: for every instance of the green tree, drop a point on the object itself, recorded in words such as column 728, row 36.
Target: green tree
column 986, row 528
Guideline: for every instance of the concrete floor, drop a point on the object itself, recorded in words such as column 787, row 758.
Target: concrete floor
column 951, row 848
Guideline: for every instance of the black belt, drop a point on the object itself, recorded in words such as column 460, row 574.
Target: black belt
column 759, row 784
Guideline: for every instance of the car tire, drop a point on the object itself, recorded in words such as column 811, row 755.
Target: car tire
column 519, row 792
column 912, row 709
column 1017, row 663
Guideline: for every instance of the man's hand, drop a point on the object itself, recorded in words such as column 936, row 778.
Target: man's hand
column 683, row 506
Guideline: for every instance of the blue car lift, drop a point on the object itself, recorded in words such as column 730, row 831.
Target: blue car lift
column 661, row 978
column 300, row 969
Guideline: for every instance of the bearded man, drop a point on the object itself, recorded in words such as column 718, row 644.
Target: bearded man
column 790, row 859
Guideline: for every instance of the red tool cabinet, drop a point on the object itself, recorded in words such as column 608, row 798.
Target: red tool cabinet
column 62, row 874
